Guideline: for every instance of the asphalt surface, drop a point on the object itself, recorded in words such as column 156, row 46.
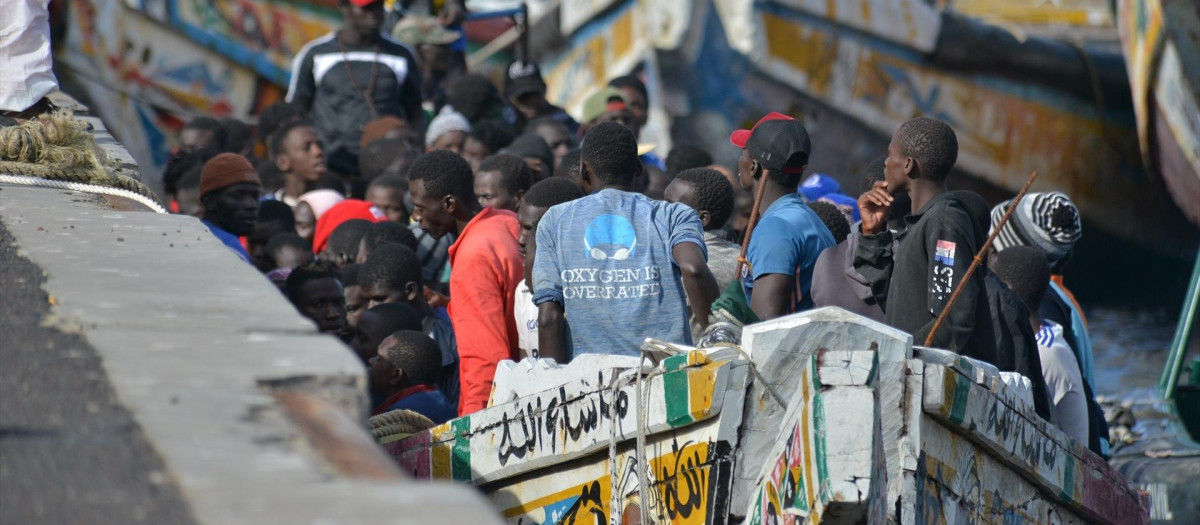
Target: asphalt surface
column 69, row 453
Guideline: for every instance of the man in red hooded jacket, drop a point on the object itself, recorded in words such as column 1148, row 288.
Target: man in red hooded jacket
column 486, row 265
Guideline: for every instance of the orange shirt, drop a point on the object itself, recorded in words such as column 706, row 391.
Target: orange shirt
column 485, row 267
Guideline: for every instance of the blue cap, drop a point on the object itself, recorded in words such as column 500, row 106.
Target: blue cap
column 846, row 204
column 818, row 185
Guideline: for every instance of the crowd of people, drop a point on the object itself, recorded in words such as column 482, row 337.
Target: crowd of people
column 439, row 225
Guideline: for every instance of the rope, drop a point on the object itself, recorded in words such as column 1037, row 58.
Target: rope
column 59, row 148
column 81, row 187
column 978, row 259
column 398, row 422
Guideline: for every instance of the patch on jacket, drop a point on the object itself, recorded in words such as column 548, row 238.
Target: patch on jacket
column 944, row 252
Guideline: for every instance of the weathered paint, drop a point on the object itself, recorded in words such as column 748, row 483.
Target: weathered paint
column 781, row 349
column 145, row 80
column 1016, row 436
column 1005, row 130
column 1094, row 13
column 912, row 23
column 257, row 34
column 962, row 443
column 565, row 422
column 1161, row 42
column 819, row 472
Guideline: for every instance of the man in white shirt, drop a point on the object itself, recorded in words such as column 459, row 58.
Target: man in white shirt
column 1024, row 269
column 539, row 198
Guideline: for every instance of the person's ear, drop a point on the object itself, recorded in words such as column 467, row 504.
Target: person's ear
column 756, row 169
column 283, row 162
column 412, row 291
column 397, row 376
column 705, row 216
column 911, row 170
column 450, row 204
column 518, row 197
column 585, row 176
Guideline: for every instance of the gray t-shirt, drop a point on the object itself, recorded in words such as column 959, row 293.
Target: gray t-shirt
column 1064, row 381
column 607, row 259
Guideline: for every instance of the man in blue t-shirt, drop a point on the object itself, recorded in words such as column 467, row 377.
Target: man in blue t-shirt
column 788, row 238
column 616, row 267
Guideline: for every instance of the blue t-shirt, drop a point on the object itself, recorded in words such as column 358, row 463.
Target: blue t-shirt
column 607, row 259
column 787, row 240
column 228, row 239
column 429, row 403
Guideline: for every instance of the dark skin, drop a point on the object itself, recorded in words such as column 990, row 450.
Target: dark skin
column 685, row 193
column 233, row 208
column 490, row 192
column 354, row 305
column 361, row 25
column 443, row 215
column 390, row 201
column 638, row 107
column 698, row 282
column 529, row 216
column 324, row 302
column 558, row 138
column 302, row 161
column 772, row 295
column 193, row 140
column 901, row 173
column 474, row 152
column 385, row 378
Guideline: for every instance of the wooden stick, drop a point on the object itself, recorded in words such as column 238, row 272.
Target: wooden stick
column 760, row 186
column 978, row 259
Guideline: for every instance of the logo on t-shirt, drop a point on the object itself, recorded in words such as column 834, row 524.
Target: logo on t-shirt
column 944, row 253
column 610, row 237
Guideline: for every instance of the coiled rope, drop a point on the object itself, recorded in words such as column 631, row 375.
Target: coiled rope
column 60, row 148
column 398, row 424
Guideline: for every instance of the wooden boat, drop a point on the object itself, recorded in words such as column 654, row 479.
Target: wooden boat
column 855, row 70
column 820, row 417
column 1161, row 41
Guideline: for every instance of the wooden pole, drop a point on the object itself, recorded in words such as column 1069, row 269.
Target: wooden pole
column 760, row 186
column 978, row 259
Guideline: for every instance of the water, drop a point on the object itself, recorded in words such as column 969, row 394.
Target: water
column 1130, row 345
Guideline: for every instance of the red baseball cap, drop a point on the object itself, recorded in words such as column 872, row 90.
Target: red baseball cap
column 739, row 137
column 363, row 3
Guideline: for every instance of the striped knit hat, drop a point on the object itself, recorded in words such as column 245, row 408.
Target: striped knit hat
column 1047, row 221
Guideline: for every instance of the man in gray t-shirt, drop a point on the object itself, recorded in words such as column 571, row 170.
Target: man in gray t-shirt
column 616, row 267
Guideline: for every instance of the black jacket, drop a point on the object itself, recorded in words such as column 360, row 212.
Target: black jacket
column 332, row 82
column 1016, row 347
column 916, row 281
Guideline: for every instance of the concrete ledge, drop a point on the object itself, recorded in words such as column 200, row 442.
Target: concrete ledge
column 197, row 344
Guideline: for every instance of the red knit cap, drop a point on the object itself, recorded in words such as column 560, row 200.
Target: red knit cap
column 342, row 212
column 224, row 170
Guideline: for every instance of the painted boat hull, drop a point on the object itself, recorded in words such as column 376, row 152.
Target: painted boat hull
column 846, row 424
column 1161, row 42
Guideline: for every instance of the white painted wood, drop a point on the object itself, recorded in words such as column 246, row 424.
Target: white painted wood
column 780, row 349
column 1003, row 426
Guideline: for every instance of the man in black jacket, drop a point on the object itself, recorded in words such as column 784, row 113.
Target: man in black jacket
column 353, row 76
column 915, row 279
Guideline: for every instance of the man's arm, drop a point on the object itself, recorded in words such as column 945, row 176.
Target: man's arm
column 873, row 256
column 552, row 331
column 477, row 311
column 698, row 281
column 772, row 295
column 951, row 246
column 302, row 87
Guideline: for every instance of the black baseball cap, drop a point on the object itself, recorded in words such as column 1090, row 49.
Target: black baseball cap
column 521, row 78
column 779, row 144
